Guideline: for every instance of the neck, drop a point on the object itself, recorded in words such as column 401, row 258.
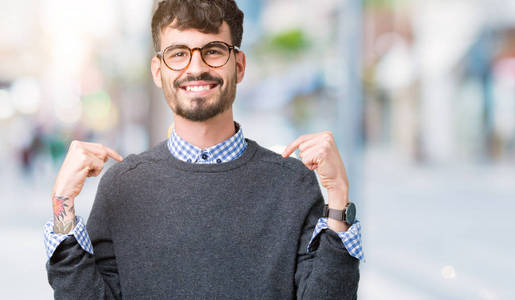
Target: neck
column 207, row 133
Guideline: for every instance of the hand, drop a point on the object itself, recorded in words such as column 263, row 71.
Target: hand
column 318, row 152
column 82, row 160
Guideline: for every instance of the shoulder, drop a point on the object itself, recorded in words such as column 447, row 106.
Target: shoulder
column 132, row 161
column 290, row 176
column 290, row 165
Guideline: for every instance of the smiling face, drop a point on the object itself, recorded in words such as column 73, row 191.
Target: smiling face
column 198, row 92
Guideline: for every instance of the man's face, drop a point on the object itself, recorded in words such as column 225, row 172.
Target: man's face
column 198, row 92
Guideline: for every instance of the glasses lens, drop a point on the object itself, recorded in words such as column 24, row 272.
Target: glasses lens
column 177, row 57
column 215, row 54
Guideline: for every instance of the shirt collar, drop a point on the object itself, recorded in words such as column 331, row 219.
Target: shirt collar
column 228, row 150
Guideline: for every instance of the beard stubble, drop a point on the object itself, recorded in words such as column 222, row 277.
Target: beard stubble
column 200, row 110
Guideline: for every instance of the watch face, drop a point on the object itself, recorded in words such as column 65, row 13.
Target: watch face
column 350, row 213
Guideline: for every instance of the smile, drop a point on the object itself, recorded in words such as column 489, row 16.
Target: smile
column 198, row 88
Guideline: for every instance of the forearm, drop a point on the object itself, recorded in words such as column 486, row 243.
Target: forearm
column 64, row 214
column 330, row 273
column 74, row 274
column 325, row 268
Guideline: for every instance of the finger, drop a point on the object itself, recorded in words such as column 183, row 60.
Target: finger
column 308, row 144
column 96, row 149
column 95, row 166
column 310, row 158
column 113, row 154
column 295, row 144
column 103, row 152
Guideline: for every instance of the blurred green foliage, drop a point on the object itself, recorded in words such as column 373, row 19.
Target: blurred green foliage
column 381, row 3
column 293, row 40
column 285, row 46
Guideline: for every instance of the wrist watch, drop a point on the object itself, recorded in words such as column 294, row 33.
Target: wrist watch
column 348, row 214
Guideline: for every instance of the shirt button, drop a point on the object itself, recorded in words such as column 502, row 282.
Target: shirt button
column 218, row 161
column 204, row 156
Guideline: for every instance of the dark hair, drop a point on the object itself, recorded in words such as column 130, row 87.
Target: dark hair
column 204, row 15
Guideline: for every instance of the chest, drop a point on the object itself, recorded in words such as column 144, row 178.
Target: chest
column 205, row 230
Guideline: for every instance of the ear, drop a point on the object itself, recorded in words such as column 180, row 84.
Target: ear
column 156, row 71
column 240, row 65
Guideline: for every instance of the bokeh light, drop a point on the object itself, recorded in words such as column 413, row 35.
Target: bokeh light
column 6, row 108
column 25, row 95
column 448, row 272
column 99, row 113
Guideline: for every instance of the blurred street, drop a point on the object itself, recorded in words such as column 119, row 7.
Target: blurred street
column 437, row 232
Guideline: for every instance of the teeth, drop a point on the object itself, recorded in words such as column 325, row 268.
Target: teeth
column 197, row 88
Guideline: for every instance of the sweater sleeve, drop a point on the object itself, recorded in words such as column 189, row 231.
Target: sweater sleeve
column 75, row 273
column 326, row 270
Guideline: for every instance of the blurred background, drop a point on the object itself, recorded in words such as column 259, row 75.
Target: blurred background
column 419, row 94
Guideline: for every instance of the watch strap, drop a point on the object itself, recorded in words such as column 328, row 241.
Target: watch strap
column 335, row 214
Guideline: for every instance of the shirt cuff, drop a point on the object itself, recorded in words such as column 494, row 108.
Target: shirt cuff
column 52, row 239
column 351, row 238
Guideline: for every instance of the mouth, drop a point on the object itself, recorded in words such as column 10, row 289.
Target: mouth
column 198, row 88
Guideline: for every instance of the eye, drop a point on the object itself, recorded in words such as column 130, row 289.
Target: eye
column 176, row 53
column 179, row 54
column 212, row 52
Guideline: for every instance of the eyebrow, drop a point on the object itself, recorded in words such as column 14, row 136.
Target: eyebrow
column 182, row 45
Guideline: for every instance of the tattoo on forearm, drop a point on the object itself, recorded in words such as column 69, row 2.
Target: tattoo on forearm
column 60, row 205
column 64, row 214
column 65, row 226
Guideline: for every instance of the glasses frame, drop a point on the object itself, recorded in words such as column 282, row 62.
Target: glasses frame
column 160, row 54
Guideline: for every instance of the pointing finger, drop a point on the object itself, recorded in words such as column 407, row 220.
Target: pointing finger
column 113, row 154
column 295, row 144
column 102, row 152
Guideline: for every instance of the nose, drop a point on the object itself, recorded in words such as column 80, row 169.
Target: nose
column 197, row 65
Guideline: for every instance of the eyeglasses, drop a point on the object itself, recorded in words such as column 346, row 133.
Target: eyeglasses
column 214, row 54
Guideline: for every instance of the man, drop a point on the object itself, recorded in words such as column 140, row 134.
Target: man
column 206, row 214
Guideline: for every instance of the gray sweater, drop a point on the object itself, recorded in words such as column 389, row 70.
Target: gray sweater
column 166, row 229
